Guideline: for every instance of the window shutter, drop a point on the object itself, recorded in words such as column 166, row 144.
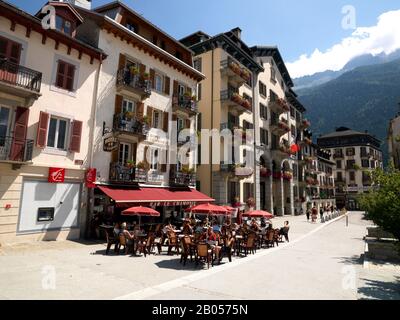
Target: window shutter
column 174, row 117
column 150, row 115
column 165, row 123
column 167, row 86
column 176, row 84
column 140, row 110
column 114, row 155
column 152, row 78
column 42, row 130
column 121, row 62
column 188, row 123
column 142, row 68
column 118, row 104
column 145, row 160
column 76, row 134
column 20, row 130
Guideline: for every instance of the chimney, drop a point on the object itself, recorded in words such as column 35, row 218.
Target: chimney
column 237, row 32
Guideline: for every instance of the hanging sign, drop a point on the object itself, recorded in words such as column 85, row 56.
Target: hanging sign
column 91, row 178
column 110, row 144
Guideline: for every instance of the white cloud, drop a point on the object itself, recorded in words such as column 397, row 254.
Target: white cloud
column 384, row 37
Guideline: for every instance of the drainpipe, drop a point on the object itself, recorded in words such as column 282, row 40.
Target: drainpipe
column 90, row 206
column 256, row 130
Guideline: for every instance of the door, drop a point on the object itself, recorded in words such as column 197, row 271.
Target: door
column 124, row 153
column 5, row 120
column 10, row 54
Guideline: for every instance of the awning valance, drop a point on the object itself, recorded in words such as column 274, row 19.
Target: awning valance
column 156, row 196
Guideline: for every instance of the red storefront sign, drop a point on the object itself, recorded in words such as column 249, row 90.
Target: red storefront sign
column 56, row 175
column 91, row 178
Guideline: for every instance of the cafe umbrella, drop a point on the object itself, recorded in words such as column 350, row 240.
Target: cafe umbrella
column 258, row 214
column 141, row 211
column 208, row 209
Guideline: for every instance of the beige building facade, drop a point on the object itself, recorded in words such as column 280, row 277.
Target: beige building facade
column 47, row 79
column 394, row 141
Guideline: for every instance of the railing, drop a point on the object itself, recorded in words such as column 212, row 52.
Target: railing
column 12, row 149
column 236, row 68
column 124, row 124
column 136, row 81
column 224, row 167
column 235, row 97
column 126, row 174
column 182, row 179
column 20, row 76
column 185, row 102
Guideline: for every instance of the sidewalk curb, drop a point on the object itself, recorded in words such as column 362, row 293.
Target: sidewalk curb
column 172, row 284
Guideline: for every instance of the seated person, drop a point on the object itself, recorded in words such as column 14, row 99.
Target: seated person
column 212, row 236
column 130, row 238
column 206, row 223
column 216, row 227
column 254, row 225
column 187, row 229
column 117, row 229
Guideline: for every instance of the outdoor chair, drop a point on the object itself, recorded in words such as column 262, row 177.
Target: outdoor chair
column 269, row 238
column 249, row 245
column 172, row 242
column 187, row 250
column 203, row 253
column 277, row 236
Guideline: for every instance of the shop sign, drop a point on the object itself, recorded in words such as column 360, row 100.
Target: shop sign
column 56, row 175
column 91, row 178
column 110, row 144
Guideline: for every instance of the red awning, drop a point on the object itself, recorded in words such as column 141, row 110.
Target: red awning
column 156, row 196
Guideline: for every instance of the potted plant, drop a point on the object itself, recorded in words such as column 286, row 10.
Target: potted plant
column 134, row 70
column 146, row 76
column 146, row 120
column 128, row 115
column 142, row 165
column 130, row 164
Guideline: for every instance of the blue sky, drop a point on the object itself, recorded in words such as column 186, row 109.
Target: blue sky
column 297, row 27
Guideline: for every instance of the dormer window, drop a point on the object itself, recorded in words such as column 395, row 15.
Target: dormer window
column 131, row 26
column 63, row 25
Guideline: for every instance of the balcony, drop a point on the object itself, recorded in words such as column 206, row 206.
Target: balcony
column 304, row 124
column 235, row 73
column 133, row 84
column 182, row 179
column 15, row 151
column 20, row 81
column 280, row 127
column 278, row 105
column 184, row 103
column 235, row 101
column 128, row 125
column 124, row 174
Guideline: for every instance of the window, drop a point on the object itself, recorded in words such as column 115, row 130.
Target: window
column 372, row 164
column 65, row 75
column 163, row 45
column 338, row 153
column 10, row 50
column 154, row 160
column 338, row 164
column 156, row 119
column 273, row 74
column 57, row 134
column 197, row 64
column 178, row 54
column 159, row 82
column 339, row 176
column 132, row 26
column 199, row 92
column 180, row 124
column 155, row 40
column 248, row 191
column 263, row 89
column 264, row 136
column 128, row 106
column 365, row 163
column 124, row 153
column 45, row 214
column 352, row 176
column 292, row 112
column 350, row 152
column 350, row 164
column 263, row 111
column 4, row 122
column 293, row 130
column 63, row 25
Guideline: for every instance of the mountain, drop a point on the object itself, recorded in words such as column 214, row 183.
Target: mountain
column 365, row 98
column 326, row 76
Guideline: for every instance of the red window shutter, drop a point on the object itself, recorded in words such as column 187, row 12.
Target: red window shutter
column 20, row 130
column 175, row 88
column 167, row 85
column 152, row 78
column 42, row 130
column 188, row 123
column 76, row 136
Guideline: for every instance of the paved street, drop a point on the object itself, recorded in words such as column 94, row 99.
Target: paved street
column 322, row 261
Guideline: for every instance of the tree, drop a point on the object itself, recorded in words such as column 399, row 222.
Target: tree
column 382, row 205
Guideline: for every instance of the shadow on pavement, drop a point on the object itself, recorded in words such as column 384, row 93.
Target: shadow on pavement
column 380, row 290
column 352, row 260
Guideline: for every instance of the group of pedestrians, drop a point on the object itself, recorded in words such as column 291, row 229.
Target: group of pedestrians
column 313, row 212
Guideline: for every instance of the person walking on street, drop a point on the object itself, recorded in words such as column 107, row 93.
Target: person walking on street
column 308, row 213
column 321, row 213
column 314, row 214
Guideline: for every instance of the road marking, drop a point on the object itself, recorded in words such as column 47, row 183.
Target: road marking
column 173, row 284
